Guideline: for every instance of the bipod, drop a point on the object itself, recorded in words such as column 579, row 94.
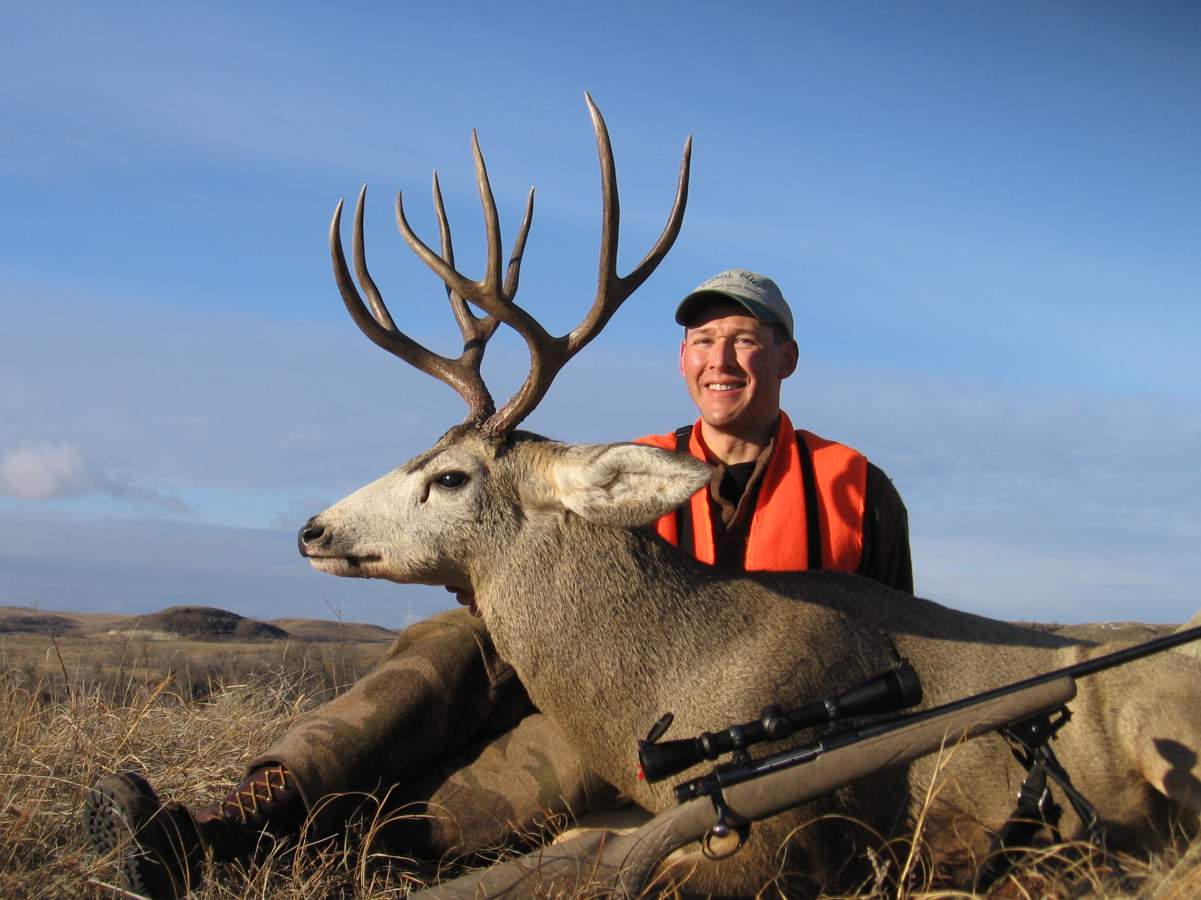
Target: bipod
column 1030, row 743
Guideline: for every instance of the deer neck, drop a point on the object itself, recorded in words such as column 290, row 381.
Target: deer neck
column 584, row 603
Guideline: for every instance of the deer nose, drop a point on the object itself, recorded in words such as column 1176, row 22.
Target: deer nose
column 311, row 534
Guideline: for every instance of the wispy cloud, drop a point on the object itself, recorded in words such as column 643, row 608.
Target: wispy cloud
column 45, row 471
column 49, row 471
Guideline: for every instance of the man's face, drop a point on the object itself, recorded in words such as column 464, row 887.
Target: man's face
column 733, row 368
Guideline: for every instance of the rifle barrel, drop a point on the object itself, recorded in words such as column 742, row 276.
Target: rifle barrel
column 1077, row 670
column 1128, row 654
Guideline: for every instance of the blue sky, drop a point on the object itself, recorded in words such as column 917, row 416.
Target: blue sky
column 985, row 217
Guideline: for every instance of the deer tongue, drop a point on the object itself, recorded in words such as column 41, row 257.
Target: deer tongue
column 465, row 597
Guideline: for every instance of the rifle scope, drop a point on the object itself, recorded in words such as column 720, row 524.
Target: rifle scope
column 898, row 688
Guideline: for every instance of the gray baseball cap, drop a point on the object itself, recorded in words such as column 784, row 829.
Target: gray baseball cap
column 757, row 294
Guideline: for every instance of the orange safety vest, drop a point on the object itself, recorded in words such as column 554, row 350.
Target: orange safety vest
column 780, row 530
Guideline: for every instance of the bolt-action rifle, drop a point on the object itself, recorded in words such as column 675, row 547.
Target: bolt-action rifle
column 719, row 807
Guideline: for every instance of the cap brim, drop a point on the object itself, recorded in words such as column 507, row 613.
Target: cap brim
column 690, row 305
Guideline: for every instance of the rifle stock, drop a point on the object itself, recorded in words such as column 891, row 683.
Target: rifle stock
column 623, row 864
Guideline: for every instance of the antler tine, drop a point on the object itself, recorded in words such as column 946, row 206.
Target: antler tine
column 476, row 330
column 378, row 308
column 491, row 218
column 667, row 237
column 462, row 375
column 612, row 289
column 549, row 354
column 519, row 249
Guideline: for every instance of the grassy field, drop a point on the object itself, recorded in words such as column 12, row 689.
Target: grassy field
column 188, row 712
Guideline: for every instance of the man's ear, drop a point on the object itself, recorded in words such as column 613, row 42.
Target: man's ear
column 792, row 354
column 624, row 484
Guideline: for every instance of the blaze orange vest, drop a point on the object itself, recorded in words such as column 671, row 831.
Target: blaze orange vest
column 780, row 528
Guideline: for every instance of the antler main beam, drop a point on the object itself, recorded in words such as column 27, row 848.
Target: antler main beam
column 496, row 298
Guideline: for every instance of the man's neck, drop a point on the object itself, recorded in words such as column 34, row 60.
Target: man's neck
column 731, row 448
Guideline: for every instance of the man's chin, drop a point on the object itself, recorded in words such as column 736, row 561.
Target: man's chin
column 724, row 417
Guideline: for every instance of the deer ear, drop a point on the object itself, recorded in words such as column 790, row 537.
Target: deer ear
column 624, row 484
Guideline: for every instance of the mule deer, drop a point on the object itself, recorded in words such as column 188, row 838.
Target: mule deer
column 608, row 626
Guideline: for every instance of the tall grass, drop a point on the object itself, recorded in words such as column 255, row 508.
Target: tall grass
column 66, row 722
column 189, row 726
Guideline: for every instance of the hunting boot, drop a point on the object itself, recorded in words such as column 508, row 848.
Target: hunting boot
column 161, row 847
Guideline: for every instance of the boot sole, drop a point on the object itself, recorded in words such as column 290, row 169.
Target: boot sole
column 125, row 819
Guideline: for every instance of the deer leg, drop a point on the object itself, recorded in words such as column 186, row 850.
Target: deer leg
column 1160, row 724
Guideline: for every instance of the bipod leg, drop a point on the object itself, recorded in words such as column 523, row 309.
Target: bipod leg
column 1035, row 807
column 1084, row 809
column 1035, row 810
column 1030, row 742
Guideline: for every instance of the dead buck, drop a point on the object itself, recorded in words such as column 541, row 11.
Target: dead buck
column 608, row 626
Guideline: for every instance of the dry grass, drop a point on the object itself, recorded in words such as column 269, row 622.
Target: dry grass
column 188, row 715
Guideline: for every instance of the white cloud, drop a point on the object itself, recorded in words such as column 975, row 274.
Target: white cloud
column 44, row 471
column 49, row 470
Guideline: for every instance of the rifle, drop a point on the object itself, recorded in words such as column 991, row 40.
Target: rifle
column 734, row 795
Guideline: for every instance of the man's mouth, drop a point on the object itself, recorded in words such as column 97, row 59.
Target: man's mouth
column 724, row 387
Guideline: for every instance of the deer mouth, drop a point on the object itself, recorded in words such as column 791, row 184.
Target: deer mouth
column 343, row 565
column 466, row 597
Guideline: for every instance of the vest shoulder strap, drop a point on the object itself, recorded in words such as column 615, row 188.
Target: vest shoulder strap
column 683, row 435
column 813, row 522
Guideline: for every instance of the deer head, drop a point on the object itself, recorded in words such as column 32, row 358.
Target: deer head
column 442, row 517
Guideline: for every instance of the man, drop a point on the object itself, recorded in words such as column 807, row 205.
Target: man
column 443, row 727
column 779, row 500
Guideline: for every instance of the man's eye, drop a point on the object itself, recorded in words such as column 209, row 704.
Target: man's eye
column 452, row 479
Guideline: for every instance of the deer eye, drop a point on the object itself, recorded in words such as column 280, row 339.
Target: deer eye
column 452, row 480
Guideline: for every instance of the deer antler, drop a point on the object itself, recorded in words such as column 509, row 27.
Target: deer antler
column 461, row 374
column 496, row 299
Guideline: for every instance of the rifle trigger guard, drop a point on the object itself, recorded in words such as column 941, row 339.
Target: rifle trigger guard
column 728, row 822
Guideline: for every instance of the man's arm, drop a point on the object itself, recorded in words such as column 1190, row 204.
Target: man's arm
column 886, row 556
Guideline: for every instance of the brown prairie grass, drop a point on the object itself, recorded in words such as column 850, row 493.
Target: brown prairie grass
column 69, row 715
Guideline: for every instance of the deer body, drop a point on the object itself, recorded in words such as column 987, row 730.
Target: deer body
column 609, row 627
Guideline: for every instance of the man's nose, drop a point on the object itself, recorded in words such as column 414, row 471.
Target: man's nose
column 722, row 355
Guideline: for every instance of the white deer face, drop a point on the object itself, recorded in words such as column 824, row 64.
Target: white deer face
column 412, row 524
column 448, row 514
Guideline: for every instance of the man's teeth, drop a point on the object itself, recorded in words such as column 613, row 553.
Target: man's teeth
column 724, row 387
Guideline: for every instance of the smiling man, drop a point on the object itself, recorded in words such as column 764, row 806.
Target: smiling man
column 780, row 499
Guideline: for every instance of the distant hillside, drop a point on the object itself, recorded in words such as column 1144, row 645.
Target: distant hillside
column 202, row 623
column 19, row 620
column 197, row 623
column 326, row 630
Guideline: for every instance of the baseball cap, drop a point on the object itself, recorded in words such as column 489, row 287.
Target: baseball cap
column 757, row 294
